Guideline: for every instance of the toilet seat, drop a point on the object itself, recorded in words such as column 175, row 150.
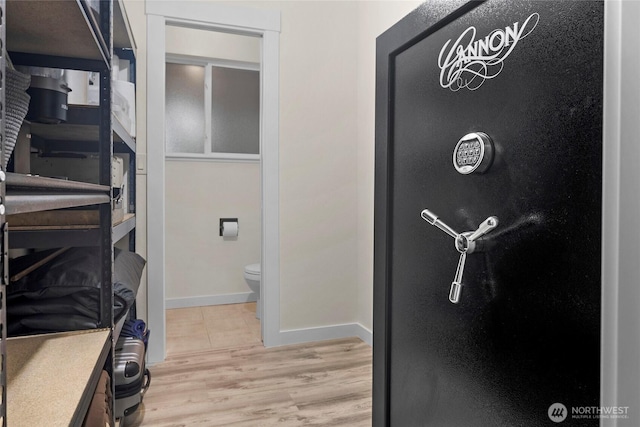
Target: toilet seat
column 252, row 270
column 252, row 277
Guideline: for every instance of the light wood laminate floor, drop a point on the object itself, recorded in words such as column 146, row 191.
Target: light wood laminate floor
column 217, row 373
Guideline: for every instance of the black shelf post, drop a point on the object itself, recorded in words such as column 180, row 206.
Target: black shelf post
column 4, row 241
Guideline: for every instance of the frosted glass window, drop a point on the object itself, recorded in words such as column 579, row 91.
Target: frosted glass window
column 212, row 108
column 235, row 110
column 184, row 111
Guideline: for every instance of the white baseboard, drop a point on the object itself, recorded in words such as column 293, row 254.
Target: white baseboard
column 210, row 300
column 365, row 335
column 323, row 333
column 288, row 337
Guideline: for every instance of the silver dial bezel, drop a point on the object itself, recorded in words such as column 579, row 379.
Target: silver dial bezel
column 485, row 158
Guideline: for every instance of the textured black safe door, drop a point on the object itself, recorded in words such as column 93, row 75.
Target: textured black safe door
column 488, row 109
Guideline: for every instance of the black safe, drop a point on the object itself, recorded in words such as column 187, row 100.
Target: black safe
column 488, row 215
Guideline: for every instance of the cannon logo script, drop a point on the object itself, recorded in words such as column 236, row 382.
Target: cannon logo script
column 468, row 62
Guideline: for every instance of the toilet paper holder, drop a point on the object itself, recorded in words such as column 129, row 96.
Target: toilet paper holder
column 223, row 220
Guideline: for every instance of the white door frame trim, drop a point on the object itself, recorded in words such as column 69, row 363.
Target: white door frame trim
column 232, row 19
column 620, row 342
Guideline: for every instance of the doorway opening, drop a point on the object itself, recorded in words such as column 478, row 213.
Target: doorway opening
column 223, row 21
column 212, row 152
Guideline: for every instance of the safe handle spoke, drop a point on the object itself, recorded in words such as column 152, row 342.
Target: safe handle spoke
column 456, row 285
column 486, row 226
column 433, row 219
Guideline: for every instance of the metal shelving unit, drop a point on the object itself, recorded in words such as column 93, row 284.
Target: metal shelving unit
column 81, row 132
column 27, row 193
column 4, row 259
column 63, row 29
column 37, row 360
column 67, row 35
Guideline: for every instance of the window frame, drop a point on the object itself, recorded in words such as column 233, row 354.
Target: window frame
column 208, row 154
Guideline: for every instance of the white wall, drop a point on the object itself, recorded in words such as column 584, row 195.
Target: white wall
column 327, row 93
column 201, row 265
column 188, row 41
column 374, row 17
column 318, row 180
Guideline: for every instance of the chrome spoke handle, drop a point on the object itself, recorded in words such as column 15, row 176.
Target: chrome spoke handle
column 456, row 285
column 433, row 219
column 486, row 226
column 464, row 243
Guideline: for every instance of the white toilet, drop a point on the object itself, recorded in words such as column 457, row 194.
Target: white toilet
column 252, row 276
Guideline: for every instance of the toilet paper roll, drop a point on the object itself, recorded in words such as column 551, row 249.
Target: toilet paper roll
column 229, row 229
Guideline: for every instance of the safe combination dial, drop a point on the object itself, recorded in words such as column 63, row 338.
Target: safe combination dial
column 465, row 243
column 473, row 153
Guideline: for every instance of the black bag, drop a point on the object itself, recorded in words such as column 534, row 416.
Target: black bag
column 64, row 294
column 130, row 375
